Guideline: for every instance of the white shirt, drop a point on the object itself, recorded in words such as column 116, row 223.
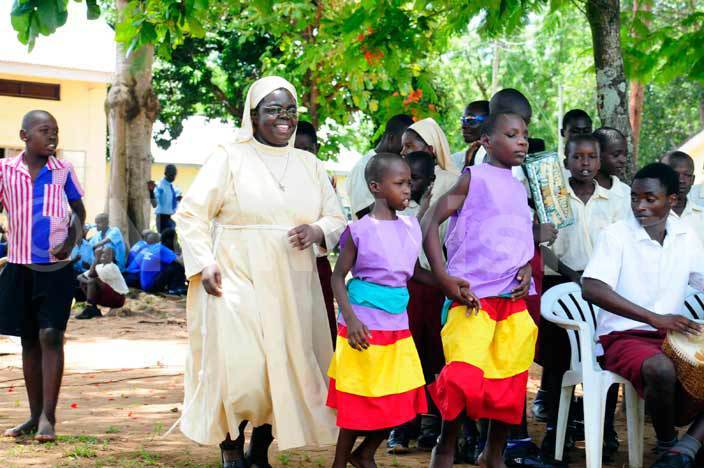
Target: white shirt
column 575, row 243
column 622, row 191
column 644, row 272
column 693, row 215
column 458, row 158
column 697, row 194
column 110, row 275
column 357, row 189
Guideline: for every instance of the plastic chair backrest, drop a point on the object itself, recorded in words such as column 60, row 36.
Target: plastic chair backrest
column 693, row 305
column 565, row 303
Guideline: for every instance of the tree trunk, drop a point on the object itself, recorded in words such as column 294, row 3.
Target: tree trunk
column 495, row 63
column 611, row 87
column 635, row 106
column 637, row 94
column 132, row 108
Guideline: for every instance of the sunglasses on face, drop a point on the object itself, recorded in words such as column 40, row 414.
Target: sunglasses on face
column 472, row 120
column 276, row 111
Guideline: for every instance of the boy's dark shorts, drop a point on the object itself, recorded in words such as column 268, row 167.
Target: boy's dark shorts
column 108, row 297
column 34, row 297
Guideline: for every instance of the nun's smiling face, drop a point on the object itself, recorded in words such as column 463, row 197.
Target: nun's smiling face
column 275, row 118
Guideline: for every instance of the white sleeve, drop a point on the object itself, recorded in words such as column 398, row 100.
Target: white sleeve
column 605, row 262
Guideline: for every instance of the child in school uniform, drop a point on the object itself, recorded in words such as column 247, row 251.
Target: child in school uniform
column 103, row 284
column 613, row 149
column 376, row 378
column 488, row 335
column 592, row 205
column 42, row 199
column 685, row 208
column 594, row 208
column 638, row 276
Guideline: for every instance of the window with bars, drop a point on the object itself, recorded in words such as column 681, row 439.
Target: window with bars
column 30, row 89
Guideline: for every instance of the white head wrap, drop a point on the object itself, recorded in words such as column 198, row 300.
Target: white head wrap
column 432, row 134
column 258, row 91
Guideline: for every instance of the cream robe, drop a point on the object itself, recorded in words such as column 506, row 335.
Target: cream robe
column 267, row 347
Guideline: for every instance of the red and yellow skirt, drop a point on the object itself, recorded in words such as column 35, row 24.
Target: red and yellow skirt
column 488, row 356
column 380, row 387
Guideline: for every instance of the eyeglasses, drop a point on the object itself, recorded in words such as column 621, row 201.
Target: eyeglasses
column 472, row 120
column 276, row 111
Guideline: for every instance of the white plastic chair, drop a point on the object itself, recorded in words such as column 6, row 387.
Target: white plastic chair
column 693, row 305
column 564, row 306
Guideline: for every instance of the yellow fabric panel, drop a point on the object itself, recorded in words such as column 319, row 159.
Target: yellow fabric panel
column 377, row 371
column 501, row 349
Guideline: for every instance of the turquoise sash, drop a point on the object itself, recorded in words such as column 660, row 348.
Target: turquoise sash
column 387, row 298
column 445, row 310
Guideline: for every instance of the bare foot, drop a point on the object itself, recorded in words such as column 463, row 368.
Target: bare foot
column 484, row 461
column 442, row 458
column 45, row 430
column 358, row 461
column 25, row 428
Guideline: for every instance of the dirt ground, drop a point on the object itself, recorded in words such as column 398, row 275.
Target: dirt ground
column 123, row 389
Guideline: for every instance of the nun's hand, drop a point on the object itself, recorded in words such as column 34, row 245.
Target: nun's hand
column 303, row 236
column 212, row 280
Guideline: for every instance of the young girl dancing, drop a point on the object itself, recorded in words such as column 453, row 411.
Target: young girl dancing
column 376, row 379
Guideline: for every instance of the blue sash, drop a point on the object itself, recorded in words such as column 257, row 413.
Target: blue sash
column 387, row 298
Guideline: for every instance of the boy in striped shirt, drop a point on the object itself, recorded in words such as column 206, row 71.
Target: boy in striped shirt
column 42, row 200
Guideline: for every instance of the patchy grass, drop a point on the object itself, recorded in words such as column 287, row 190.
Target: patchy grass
column 82, row 451
column 284, row 458
column 112, row 430
column 78, row 439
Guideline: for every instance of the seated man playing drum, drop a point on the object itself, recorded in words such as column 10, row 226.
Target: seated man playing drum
column 638, row 276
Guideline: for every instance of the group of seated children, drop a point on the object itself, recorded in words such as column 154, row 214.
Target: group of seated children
column 105, row 268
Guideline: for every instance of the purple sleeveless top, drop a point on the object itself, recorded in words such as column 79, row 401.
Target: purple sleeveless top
column 491, row 237
column 386, row 250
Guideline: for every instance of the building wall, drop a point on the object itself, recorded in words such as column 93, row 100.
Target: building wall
column 695, row 148
column 82, row 130
column 186, row 175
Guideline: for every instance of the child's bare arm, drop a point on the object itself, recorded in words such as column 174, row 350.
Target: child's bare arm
column 601, row 294
column 75, row 232
column 357, row 333
column 446, row 205
column 557, row 265
column 449, row 203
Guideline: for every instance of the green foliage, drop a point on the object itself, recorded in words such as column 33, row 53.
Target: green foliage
column 207, row 76
column 551, row 50
column 30, row 18
column 666, row 42
column 670, row 117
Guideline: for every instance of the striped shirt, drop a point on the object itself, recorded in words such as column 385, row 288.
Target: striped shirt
column 38, row 211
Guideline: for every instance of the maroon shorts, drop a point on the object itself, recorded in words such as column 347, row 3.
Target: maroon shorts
column 553, row 346
column 533, row 302
column 424, row 311
column 626, row 351
column 107, row 297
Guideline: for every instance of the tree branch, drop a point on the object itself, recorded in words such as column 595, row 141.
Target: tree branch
column 222, row 97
